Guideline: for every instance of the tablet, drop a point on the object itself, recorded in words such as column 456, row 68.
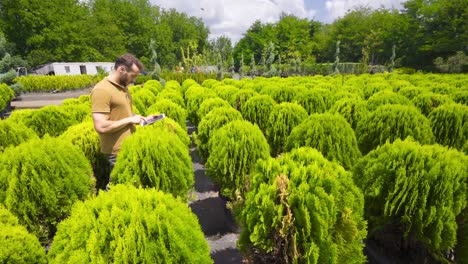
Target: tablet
column 152, row 120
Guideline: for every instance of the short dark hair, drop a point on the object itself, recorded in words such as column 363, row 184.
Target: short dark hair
column 128, row 60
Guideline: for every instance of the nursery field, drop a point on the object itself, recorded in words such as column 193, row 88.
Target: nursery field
column 322, row 169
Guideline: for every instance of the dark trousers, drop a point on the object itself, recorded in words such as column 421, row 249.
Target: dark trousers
column 111, row 158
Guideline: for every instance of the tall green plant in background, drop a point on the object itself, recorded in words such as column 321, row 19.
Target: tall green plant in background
column 234, row 149
column 40, row 180
column 130, row 225
column 416, row 189
column 302, row 208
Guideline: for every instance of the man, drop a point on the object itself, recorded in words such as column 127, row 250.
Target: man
column 111, row 106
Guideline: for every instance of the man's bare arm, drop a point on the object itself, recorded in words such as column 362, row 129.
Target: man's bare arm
column 103, row 125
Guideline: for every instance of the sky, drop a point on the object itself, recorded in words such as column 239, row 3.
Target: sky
column 232, row 18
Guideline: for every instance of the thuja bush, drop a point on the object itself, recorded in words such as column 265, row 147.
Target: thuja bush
column 426, row 102
column 352, row 109
column 194, row 97
column 14, row 133
column 6, row 94
column 186, row 84
column 375, row 86
column 234, row 149
column 173, row 84
column 389, row 122
column 171, row 126
column 460, row 97
column 172, row 95
column 449, row 124
column 242, row 96
column 170, row 109
column 154, row 86
column 279, row 92
column 41, row 179
column 411, row 92
column 17, row 244
column 214, row 120
column 130, row 225
column 311, row 100
column 283, row 118
column 330, row 134
column 302, row 208
column 415, row 190
column 257, row 110
column 227, row 92
column 52, row 120
column 155, row 158
column 143, row 99
column 386, row 97
column 210, row 104
column 209, row 82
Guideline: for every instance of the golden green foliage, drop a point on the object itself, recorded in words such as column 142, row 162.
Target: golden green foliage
column 312, row 101
column 14, row 133
column 257, row 110
column 418, row 189
column 154, row 86
column 16, row 243
column 242, row 96
column 170, row 109
column 426, row 102
column 172, row 95
column 130, row 225
column 194, row 97
column 214, row 120
column 352, row 109
column 386, row 97
column 375, row 85
column 460, row 97
column 186, row 85
column 227, row 92
column 330, row 134
column 34, row 83
column 234, row 149
column 41, row 179
column 449, row 124
column 283, row 118
column 85, row 137
column 411, row 92
column 209, row 82
column 143, row 99
column 302, row 208
column 6, row 94
column 171, row 126
column 154, row 157
column 280, row 92
column 173, row 84
column 389, row 122
column 210, row 104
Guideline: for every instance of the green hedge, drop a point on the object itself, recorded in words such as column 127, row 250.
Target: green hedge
column 47, row 83
column 6, row 95
column 129, row 225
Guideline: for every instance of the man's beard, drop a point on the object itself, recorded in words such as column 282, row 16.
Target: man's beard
column 124, row 80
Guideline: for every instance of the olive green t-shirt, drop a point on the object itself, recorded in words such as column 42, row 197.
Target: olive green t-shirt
column 112, row 98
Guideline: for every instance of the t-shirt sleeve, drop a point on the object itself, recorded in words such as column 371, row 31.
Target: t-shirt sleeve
column 100, row 101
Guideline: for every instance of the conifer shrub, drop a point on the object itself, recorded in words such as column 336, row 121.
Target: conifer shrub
column 78, row 112
column 212, row 121
column 426, row 102
column 172, row 95
column 187, row 84
column 171, row 110
column 415, row 192
column 194, row 97
column 280, row 93
column 143, row 99
column 242, row 96
column 171, row 126
column 386, row 97
column 14, row 133
column 352, row 109
column 283, row 118
column 209, row 82
column 460, row 97
column 330, row 134
column 16, row 243
column 173, row 85
column 227, row 92
column 441, row 87
column 375, row 86
column 233, row 150
column 52, row 120
column 257, row 110
column 302, row 208
column 411, row 92
column 41, row 179
column 155, row 158
column 134, row 88
column 6, row 95
column 154, row 86
column 311, row 100
column 389, row 122
column 449, row 124
column 130, row 225
column 210, row 104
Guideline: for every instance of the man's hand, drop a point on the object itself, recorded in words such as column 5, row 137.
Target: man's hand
column 102, row 124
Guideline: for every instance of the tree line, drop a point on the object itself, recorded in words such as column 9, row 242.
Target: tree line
column 425, row 34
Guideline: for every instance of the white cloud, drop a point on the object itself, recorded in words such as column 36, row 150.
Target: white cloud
column 338, row 8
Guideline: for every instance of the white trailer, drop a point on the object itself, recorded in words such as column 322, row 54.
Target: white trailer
column 74, row 68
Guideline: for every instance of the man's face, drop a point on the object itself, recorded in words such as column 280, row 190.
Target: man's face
column 128, row 76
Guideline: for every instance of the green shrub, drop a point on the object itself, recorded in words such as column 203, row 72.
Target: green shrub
column 283, row 118
column 234, row 149
column 52, row 120
column 129, row 225
column 34, row 83
column 6, row 95
column 171, row 110
column 257, row 110
column 328, row 133
column 18, row 246
column 302, row 208
column 214, row 120
column 389, row 122
column 375, row 86
column 352, row 109
column 154, row 86
column 210, row 104
column 186, row 84
column 40, row 180
column 426, row 102
column 209, row 82
column 227, row 92
column 143, row 99
column 449, row 124
column 242, row 96
column 194, row 97
column 460, row 97
column 172, row 95
column 411, row 92
column 171, row 126
column 153, row 157
column 311, row 100
column 417, row 190
column 386, row 97
column 280, row 93
column 173, row 84
column 14, row 133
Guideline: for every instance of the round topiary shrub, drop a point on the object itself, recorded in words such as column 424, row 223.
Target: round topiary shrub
column 242, row 96
column 173, row 85
column 52, row 120
column 186, row 85
column 143, row 99
column 283, row 118
column 389, row 122
column 234, row 149
column 41, row 179
column 352, row 109
column 194, row 97
column 214, row 120
column 171, row 110
column 460, row 97
column 426, row 102
column 227, row 92
column 172, row 95
column 17, row 244
column 154, row 86
column 413, row 195
column 171, row 126
column 374, row 86
column 209, row 104
column 411, row 92
column 386, row 97
column 14, row 133
column 279, row 92
column 449, row 124
column 311, row 100
column 129, row 225
column 257, row 110
column 155, row 158
column 330, row 134
column 302, row 208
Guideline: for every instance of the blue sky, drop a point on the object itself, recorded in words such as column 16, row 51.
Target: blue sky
column 232, row 18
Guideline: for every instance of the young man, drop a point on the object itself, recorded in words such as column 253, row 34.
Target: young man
column 111, row 106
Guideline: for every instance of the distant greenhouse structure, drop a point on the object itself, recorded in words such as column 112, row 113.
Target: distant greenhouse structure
column 73, row 68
